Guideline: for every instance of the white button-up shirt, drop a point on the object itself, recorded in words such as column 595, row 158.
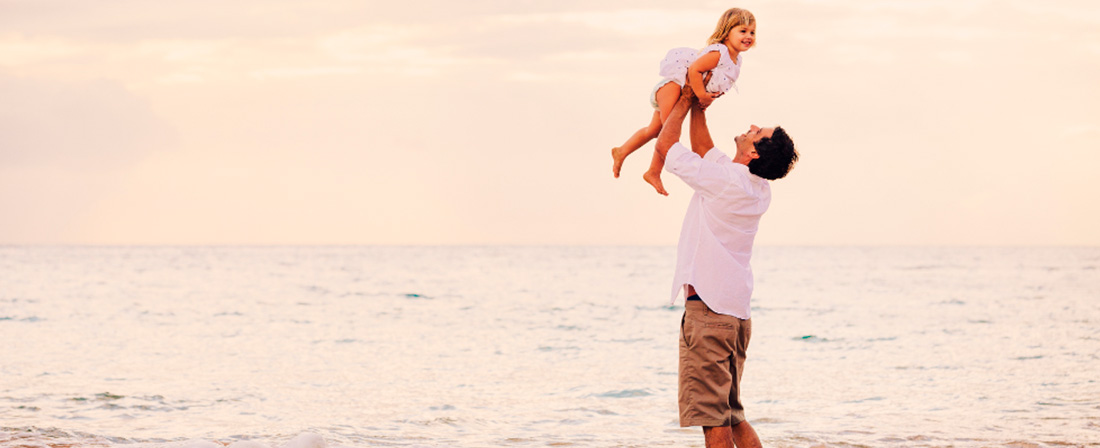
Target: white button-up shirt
column 719, row 227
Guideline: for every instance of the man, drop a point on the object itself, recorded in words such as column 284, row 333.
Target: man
column 712, row 264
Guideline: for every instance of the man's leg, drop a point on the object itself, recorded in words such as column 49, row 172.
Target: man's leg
column 740, row 436
column 710, row 386
column 745, row 437
column 718, row 436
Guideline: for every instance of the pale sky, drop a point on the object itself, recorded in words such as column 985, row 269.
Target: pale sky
column 961, row 122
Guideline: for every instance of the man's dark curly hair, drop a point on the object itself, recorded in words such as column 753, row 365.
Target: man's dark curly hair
column 777, row 156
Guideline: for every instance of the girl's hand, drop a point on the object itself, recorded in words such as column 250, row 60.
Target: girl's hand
column 707, row 98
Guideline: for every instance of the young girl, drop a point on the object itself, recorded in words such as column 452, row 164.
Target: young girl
column 720, row 61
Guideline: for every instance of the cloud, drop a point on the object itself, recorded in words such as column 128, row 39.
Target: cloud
column 18, row 50
column 634, row 22
column 432, row 113
column 171, row 43
column 305, row 72
column 83, row 124
column 131, row 20
column 128, row 20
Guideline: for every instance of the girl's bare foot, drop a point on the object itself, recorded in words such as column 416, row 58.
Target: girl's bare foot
column 654, row 179
column 618, row 155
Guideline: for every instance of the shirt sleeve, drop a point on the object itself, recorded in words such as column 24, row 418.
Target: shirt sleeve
column 703, row 174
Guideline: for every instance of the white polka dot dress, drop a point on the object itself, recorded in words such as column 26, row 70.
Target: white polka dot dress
column 674, row 67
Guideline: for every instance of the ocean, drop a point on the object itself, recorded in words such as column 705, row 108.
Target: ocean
column 539, row 346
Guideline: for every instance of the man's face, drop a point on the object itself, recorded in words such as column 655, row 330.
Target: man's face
column 746, row 143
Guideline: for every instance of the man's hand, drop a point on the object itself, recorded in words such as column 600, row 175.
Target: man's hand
column 687, row 92
column 687, row 96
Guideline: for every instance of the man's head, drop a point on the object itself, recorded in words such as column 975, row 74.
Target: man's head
column 769, row 152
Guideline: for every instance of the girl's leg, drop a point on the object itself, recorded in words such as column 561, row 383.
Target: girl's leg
column 636, row 140
column 667, row 96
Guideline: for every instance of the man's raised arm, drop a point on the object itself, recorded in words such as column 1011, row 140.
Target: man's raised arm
column 701, row 142
column 670, row 132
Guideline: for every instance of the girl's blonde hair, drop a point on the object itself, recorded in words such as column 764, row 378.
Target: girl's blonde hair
column 732, row 18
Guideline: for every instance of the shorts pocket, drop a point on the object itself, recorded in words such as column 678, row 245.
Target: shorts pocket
column 686, row 326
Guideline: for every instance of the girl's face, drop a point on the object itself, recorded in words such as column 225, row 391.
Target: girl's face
column 742, row 37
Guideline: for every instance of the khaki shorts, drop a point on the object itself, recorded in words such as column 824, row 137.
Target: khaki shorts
column 712, row 358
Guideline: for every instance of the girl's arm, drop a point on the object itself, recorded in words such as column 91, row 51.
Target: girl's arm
column 696, row 71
